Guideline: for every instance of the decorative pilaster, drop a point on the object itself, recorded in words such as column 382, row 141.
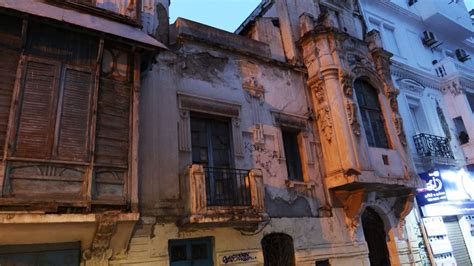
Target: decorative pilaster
column 184, row 138
column 323, row 113
column 237, row 136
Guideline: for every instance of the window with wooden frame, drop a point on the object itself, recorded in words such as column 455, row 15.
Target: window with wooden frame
column 72, row 116
column 292, row 154
column 211, row 141
column 54, row 112
column 371, row 113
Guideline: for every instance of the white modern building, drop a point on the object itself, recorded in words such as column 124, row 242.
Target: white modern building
column 431, row 42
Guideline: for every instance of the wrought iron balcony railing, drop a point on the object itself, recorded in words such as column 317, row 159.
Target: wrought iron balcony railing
column 433, row 146
column 227, row 187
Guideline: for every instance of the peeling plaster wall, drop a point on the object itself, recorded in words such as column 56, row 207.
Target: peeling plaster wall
column 314, row 239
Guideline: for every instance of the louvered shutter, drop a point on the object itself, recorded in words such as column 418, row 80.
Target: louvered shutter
column 73, row 137
column 37, row 112
column 113, row 123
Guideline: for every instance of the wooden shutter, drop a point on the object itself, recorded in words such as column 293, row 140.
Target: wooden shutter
column 37, row 112
column 73, row 137
column 113, row 123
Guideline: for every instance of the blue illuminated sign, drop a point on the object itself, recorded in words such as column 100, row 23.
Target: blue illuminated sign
column 434, row 191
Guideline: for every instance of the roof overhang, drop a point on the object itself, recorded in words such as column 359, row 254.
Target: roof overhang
column 84, row 20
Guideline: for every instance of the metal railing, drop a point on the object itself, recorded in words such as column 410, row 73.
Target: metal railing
column 433, row 146
column 227, row 187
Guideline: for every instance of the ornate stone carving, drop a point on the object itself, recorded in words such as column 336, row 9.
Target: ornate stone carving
column 347, row 80
column 325, row 122
column 254, row 89
column 317, row 85
column 392, row 97
column 398, row 122
column 351, row 109
column 100, row 252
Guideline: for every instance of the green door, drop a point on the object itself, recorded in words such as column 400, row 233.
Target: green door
column 191, row 252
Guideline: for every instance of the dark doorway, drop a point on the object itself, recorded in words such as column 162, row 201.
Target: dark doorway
column 374, row 232
column 278, row 250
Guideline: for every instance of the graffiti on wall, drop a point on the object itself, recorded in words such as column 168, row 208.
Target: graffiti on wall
column 264, row 158
column 238, row 257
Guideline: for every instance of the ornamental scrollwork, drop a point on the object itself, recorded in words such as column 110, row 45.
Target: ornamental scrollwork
column 325, row 122
column 347, row 80
column 351, row 109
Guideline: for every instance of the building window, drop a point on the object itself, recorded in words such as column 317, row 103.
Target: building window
column 196, row 251
column 371, row 113
column 470, row 100
column 292, row 154
column 278, row 250
column 417, row 116
column 210, row 139
column 461, row 131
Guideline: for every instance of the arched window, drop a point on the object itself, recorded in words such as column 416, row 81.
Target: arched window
column 372, row 117
column 278, row 250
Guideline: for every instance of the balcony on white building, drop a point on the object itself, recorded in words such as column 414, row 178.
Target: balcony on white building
column 224, row 197
column 449, row 67
column 447, row 16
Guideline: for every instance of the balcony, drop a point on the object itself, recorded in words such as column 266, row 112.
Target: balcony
column 446, row 16
column 433, row 146
column 449, row 67
column 224, row 197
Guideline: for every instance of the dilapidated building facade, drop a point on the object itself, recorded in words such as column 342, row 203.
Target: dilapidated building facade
column 280, row 144
column 69, row 97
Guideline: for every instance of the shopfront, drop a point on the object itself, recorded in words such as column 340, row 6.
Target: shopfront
column 446, row 205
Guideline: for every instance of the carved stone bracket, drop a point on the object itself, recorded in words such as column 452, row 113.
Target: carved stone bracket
column 100, row 252
column 352, row 202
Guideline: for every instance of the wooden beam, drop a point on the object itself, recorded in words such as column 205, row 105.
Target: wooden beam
column 93, row 124
column 134, row 123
